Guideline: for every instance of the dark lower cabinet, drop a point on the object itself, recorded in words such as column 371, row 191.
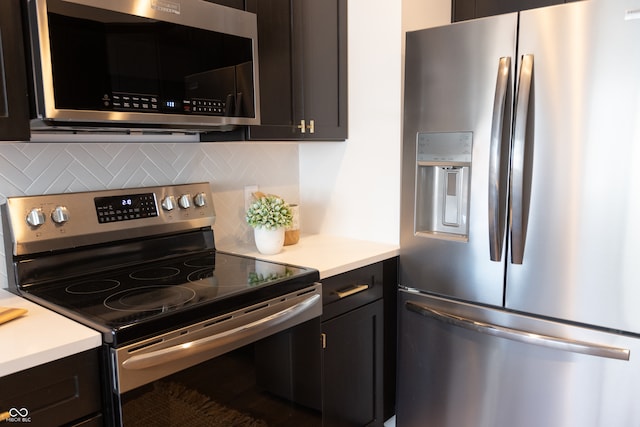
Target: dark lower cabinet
column 353, row 367
column 63, row 392
column 470, row 9
column 358, row 333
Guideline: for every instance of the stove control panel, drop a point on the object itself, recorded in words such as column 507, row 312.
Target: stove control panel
column 68, row 220
column 125, row 207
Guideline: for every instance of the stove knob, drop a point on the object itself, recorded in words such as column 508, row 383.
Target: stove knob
column 185, row 201
column 35, row 217
column 169, row 203
column 60, row 215
column 200, row 200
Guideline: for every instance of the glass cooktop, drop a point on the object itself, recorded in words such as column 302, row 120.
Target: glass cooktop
column 210, row 282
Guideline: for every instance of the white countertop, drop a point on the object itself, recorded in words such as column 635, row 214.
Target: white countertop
column 331, row 255
column 39, row 336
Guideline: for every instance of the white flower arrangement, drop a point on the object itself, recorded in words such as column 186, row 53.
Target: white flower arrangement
column 269, row 212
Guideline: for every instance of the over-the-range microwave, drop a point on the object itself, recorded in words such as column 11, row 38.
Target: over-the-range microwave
column 143, row 64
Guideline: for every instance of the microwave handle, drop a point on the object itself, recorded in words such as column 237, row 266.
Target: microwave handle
column 240, row 333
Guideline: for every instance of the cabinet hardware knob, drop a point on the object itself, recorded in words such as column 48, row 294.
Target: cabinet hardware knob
column 302, row 126
column 312, row 126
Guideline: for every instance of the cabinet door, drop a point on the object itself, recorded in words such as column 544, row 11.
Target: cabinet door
column 14, row 103
column 303, row 74
column 324, row 81
column 280, row 101
column 353, row 367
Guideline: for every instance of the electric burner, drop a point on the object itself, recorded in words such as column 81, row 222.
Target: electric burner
column 149, row 299
column 155, row 274
column 92, row 287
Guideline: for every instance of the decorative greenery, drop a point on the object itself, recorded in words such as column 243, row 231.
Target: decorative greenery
column 269, row 212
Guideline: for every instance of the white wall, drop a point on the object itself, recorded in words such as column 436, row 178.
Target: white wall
column 352, row 188
column 417, row 14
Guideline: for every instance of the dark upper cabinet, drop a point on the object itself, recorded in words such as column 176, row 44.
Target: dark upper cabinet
column 302, row 49
column 14, row 101
column 470, row 9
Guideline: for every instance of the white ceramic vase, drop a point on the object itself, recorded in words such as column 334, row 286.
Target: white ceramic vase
column 269, row 242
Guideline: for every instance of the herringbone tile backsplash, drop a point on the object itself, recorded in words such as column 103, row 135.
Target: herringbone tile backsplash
column 48, row 168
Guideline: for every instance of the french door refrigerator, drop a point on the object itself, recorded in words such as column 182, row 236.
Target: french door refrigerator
column 519, row 296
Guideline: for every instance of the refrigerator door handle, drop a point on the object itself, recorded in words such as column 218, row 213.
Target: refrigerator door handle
column 498, row 161
column 518, row 211
column 552, row 342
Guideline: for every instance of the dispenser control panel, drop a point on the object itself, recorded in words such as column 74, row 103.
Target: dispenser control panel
column 449, row 147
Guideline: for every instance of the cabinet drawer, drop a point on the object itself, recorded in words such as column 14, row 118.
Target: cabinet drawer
column 350, row 290
column 61, row 392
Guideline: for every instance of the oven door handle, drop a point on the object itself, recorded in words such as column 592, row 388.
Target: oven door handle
column 225, row 338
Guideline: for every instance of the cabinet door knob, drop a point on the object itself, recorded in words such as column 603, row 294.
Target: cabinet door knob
column 302, row 126
column 312, row 126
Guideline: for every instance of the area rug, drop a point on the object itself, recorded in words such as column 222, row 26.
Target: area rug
column 171, row 404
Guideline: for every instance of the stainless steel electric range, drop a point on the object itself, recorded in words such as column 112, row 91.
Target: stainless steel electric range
column 140, row 266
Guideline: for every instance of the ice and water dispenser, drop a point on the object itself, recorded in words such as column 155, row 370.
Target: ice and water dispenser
column 443, row 172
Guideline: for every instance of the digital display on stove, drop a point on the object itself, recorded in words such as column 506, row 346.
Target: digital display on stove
column 125, row 207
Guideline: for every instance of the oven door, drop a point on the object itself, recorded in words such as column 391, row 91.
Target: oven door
column 257, row 366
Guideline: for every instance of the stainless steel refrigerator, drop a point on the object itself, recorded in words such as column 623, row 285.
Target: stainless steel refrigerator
column 519, row 297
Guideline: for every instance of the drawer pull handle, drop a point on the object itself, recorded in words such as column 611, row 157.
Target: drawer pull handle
column 351, row 290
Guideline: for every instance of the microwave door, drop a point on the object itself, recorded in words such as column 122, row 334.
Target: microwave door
column 101, row 64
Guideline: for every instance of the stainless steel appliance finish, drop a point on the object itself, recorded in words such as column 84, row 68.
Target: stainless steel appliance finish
column 550, row 97
column 140, row 266
column 59, row 221
column 157, row 65
column 485, row 367
column 466, row 58
column 157, row 357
